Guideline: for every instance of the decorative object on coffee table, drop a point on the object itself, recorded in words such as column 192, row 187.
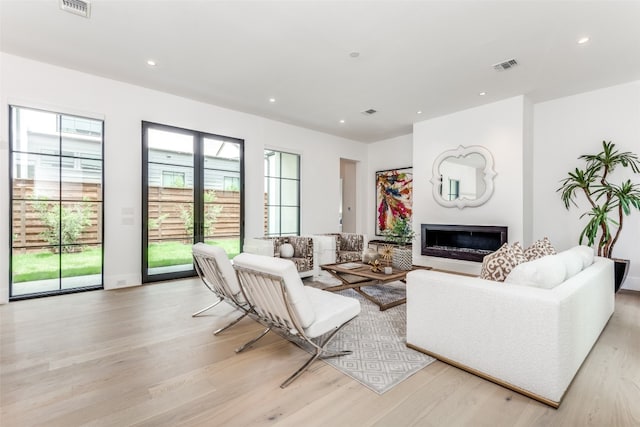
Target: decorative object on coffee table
column 609, row 203
column 375, row 266
column 401, row 234
column 402, row 258
column 387, row 253
column 369, row 255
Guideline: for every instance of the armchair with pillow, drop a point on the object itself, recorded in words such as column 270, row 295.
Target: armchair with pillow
column 348, row 246
column 298, row 249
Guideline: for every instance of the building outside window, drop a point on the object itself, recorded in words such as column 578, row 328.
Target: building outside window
column 231, row 183
column 173, row 179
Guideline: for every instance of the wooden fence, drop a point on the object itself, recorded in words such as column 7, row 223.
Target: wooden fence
column 168, row 210
column 169, row 207
column 28, row 226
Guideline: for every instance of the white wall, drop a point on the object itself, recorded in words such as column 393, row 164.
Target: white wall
column 34, row 84
column 567, row 128
column 499, row 127
column 393, row 153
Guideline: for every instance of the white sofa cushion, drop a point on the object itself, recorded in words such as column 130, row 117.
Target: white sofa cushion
column 572, row 261
column 546, row 272
column 586, row 254
column 331, row 310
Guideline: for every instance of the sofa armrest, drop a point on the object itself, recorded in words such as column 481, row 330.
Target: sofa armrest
column 259, row 246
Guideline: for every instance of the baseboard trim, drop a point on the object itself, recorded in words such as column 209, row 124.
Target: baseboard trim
column 480, row 374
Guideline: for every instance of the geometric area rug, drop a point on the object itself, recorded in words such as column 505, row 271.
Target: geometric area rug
column 380, row 358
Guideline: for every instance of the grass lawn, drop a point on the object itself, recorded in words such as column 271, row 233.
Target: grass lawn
column 45, row 265
column 176, row 253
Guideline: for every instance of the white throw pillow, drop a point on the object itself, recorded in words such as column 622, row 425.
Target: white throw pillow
column 586, row 254
column 286, row 250
column 546, row 272
column 572, row 261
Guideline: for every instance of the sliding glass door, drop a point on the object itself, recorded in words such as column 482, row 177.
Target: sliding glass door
column 192, row 192
column 56, row 203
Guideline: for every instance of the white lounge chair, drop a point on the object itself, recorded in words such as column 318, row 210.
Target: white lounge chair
column 217, row 274
column 278, row 297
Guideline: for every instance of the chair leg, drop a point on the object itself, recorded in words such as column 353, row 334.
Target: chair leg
column 224, row 328
column 303, row 368
column 321, row 352
column 206, row 308
column 248, row 344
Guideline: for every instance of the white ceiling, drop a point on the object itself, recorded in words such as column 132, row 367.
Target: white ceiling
column 433, row 56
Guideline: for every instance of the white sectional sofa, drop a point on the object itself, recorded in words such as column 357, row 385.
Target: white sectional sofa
column 529, row 339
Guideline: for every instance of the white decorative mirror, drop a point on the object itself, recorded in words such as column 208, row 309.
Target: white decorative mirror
column 463, row 177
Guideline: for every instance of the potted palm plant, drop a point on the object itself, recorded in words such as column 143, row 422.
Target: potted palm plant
column 401, row 233
column 609, row 203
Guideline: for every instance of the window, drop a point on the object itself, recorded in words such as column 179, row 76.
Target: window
column 57, row 204
column 231, row 183
column 282, row 190
column 173, row 179
column 187, row 198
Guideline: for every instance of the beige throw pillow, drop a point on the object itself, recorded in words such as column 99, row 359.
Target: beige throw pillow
column 497, row 265
column 539, row 249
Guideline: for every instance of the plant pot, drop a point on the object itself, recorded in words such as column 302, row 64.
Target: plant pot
column 402, row 258
column 621, row 268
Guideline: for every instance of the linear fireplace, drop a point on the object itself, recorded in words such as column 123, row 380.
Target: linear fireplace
column 467, row 242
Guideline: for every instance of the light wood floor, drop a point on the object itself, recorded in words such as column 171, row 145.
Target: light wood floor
column 136, row 357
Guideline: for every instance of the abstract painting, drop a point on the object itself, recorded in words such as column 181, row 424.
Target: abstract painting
column 394, row 192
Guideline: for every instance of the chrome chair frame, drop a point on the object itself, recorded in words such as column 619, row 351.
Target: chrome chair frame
column 209, row 272
column 269, row 300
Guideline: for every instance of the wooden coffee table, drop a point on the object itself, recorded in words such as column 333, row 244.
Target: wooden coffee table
column 355, row 275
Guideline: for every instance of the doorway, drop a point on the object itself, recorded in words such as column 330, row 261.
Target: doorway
column 192, row 192
column 348, row 199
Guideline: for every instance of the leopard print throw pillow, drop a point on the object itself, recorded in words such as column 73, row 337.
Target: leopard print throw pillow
column 539, row 249
column 497, row 265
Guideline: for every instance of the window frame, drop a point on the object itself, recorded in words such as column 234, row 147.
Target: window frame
column 77, row 162
column 280, row 179
column 199, row 168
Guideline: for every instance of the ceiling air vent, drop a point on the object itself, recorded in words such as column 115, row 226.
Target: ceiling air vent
column 506, row 65
column 369, row 112
column 77, row 7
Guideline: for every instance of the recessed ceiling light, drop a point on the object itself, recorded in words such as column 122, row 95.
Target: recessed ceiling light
column 151, row 63
column 482, row 93
column 341, row 120
column 419, row 112
column 272, row 100
column 583, row 40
